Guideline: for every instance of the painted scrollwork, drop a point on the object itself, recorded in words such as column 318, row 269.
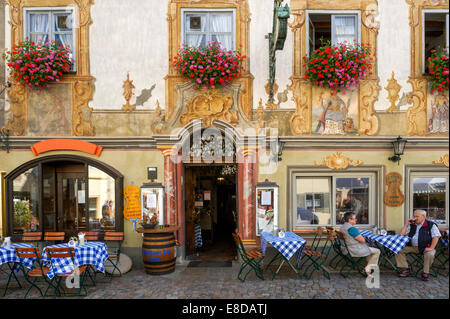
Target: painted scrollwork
column 443, row 160
column 82, row 126
column 17, row 120
column 416, row 115
column 302, row 96
column 209, row 106
column 338, row 161
column 368, row 95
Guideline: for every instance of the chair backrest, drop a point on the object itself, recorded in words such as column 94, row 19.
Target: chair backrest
column 240, row 245
column 27, row 252
column 91, row 235
column 113, row 236
column 61, row 252
column 54, row 236
column 32, row 236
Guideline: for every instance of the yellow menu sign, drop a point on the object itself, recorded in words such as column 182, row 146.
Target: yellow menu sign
column 133, row 206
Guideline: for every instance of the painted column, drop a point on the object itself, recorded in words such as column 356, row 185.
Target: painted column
column 247, row 179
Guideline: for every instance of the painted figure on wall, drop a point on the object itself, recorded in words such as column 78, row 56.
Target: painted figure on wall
column 335, row 117
column 438, row 119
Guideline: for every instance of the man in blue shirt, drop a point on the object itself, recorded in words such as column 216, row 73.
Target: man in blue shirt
column 424, row 236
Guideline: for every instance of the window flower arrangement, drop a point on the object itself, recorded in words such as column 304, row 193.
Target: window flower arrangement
column 438, row 67
column 210, row 66
column 35, row 65
column 338, row 67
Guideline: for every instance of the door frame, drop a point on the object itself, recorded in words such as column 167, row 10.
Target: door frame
column 185, row 165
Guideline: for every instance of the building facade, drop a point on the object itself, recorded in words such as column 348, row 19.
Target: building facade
column 74, row 147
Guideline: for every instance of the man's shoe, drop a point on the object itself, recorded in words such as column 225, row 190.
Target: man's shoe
column 405, row 273
column 425, row 276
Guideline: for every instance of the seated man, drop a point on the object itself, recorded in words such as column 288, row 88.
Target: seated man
column 356, row 243
column 424, row 236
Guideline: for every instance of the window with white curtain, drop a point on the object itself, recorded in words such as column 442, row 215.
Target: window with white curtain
column 201, row 27
column 51, row 24
column 435, row 33
column 337, row 27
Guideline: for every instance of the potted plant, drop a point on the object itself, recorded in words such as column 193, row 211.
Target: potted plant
column 208, row 67
column 438, row 68
column 338, row 67
column 35, row 65
column 149, row 222
column 23, row 216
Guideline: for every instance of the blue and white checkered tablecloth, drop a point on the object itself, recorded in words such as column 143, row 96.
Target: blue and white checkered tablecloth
column 287, row 246
column 91, row 253
column 395, row 243
column 9, row 256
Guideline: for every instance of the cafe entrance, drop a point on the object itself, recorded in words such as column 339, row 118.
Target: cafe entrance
column 210, row 211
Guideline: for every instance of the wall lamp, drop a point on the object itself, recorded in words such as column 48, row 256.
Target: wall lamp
column 278, row 151
column 399, row 147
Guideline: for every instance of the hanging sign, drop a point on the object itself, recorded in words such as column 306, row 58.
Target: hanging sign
column 132, row 208
column 393, row 196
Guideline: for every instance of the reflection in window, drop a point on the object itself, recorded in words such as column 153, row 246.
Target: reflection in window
column 25, row 200
column 313, row 201
column 101, row 201
column 429, row 195
column 352, row 195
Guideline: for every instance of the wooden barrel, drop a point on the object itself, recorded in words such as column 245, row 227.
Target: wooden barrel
column 159, row 253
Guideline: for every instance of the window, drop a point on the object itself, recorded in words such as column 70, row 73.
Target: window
column 101, row 200
column 26, row 201
column 51, row 24
column 435, row 33
column 335, row 26
column 201, row 27
column 323, row 199
column 429, row 192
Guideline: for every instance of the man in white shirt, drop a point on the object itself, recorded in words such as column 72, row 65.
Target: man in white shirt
column 424, row 236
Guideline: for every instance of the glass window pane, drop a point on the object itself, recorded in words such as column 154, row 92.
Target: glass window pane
column 221, row 22
column 313, row 201
column 101, row 201
column 39, row 22
column 225, row 40
column 345, row 29
column 63, row 22
column 64, row 39
column 352, row 195
column 196, row 40
column 49, row 196
column 429, row 195
column 25, row 200
column 195, row 22
column 39, row 38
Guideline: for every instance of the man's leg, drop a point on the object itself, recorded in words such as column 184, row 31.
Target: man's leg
column 401, row 261
column 372, row 259
column 428, row 259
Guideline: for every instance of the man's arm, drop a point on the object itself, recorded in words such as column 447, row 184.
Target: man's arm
column 361, row 239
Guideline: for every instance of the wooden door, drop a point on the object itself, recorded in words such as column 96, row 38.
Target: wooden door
column 71, row 203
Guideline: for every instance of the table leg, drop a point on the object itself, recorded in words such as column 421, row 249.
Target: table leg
column 277, row 256
column 385, row 256
column 11, row 274
column 290, row 265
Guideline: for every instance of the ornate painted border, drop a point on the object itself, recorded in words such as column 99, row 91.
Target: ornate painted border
column 82, row 81
column 174, row 20
column 416, row 115
column 301, row 121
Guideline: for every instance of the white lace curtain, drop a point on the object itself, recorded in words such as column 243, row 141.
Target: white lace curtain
column 39, row 27
column 222, row 23
column 220, row 29
column 344, row 29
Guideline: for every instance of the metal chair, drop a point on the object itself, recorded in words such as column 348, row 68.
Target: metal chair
column 114, row 240
column 252, row 258
column 33, row 237
column 51, row 238
column 91, row 235
column 67, row 252
column 442, row 255
column 38, row 271
column 318, row 257
column 353, row 262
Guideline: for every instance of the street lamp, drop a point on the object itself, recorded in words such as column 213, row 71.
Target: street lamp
column 399, row 147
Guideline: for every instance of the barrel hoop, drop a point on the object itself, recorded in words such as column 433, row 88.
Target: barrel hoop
column 157, row 246
column 158, row 240
column 156, row 263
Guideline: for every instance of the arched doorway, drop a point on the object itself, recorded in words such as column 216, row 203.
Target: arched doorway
column 64, row 193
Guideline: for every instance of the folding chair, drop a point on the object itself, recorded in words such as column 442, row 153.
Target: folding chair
column 353, row 262
column 39, row 271
column 318, row 257
column 316, row 240
column 91, row 236
column 416, row 260
column 252, row 258
column 339, row 256
column 442, row 255
column 114, row 240
column 33, row 237
column 55, row 255
column 51, row 238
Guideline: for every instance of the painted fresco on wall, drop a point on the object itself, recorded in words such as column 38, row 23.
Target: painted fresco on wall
column 437, row 113
column 334, row 114
column 50, row 111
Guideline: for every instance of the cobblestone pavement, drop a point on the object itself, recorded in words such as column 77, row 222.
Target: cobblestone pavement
column 207, row 283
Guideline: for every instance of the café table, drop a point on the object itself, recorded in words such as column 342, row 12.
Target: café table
column 286, row 247
column 8, row 256
column 389, row 245
column 91, row 253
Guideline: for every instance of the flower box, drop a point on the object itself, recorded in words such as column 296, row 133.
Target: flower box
column 438, row 69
